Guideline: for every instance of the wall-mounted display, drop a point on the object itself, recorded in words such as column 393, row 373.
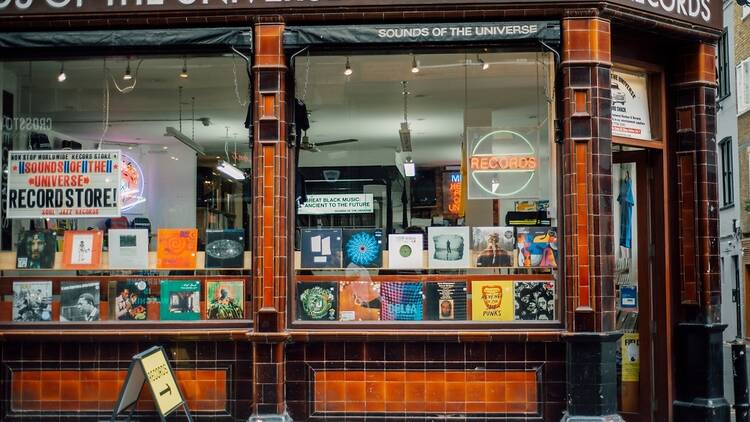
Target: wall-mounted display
column 82, row 249
column 225, row 248
column 225, row 299
column 36, row 250
column 32, row 301
column 317, row 301
column 401, row 301
column 128, row 248
column 363, row 248
column 445, row 300
column 180, row 300
column 448, row 247
column 128, row 300
column 492, row 300
column 176, row 248
column 79, row 301
column 537, row 247
column 405, row 251
column 359, row 301
column 321, row 248
column 630, row 106
column 534, row 300
column 493, row 246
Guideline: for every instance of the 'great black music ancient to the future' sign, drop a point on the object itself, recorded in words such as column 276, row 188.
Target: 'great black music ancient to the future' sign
column 63, row 184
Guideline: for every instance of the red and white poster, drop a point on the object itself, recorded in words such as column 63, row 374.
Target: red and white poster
column 630, row 114
column 63, row 184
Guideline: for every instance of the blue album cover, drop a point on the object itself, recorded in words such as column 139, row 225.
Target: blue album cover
column 401, row 301
column 320, row 248
column 363, row 248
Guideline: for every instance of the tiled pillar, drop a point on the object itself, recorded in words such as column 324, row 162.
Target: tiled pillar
column 270, row 168
column 588, row 232
column 699, row 372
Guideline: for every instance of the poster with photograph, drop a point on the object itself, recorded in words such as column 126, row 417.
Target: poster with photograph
column 36, row 249
column 492, row 300
column 128, row 300
column 177, row 248
column 359, row 301
column 537, row 247
column 405, row 251
column 180, row 300
column 79, row 301
column 535, row 300
column 128, row 248
column 320, row 248
column 82, row 249
column 32, row 301
column 317, row 301
column 445, row 300
column 363, row 248
column 448, row 247
column 225, row 248
column 630, row 107
column 401, row 301
column 493, row 246
column 225, row 299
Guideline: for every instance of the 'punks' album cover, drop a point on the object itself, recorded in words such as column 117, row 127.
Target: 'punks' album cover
column 225, row 299
column 363, row 248
column 180, row 300
column 320, row 248
column 401, row 301
column 36, row 249
column 537, row 247
column 317, row 301
column 448, row 247
column 446, row 300
column 493, row 246
column 359, row 301
column 535, row 300
column 32, row 301
column 492, row 300
column 128, row 300
column 225, row 248
column 79, row 301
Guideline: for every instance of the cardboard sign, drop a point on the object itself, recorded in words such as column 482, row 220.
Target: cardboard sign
column 63, row 184
column 631, row 358
column 630, row 112
column 153, row 368
column 360, row 203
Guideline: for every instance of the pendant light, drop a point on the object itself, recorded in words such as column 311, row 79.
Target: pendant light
column 62, row 76
column 184, row 73
column 127, row 76
column 348, row 69
column 414, row 64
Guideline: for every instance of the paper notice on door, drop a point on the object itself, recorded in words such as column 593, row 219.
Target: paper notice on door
column 631, row 358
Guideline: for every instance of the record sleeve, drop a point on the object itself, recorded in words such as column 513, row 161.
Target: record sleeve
column 537, row 247
column 317, row 301
column 225, row 248
column 36, row 249
column 359, row 301
column 180, row 300
column 176, row 248
column 446, row 300
column 225, row 299
column 82, row 250
column 492, row 300
column 363, row 248
column 128, row 300
column 401, row 301
column 535, row 300
column 405, row 251
column 79, row 301
column 128, row 248
column 320, row 248
column 448, row 247
column 493, row 246
column 32, row 301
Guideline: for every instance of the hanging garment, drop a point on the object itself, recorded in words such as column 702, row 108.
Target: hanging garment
column 626, row 201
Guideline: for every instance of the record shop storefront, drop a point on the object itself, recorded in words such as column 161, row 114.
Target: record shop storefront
column 348, row 210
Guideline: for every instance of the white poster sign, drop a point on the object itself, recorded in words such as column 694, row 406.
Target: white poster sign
column 63, row 184
column 361, row 203
column 630, row 113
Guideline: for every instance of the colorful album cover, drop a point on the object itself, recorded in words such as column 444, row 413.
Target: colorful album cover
column 128, row 300
column 36, row 249
column 401, row 301
column 363, row 248
column 32, row 301
column 317, row 301
column 542, row 205
column 320, row 248
column 535, row 300
column 225, row 299
column 405, row 251
column 359, row 301
column 492, row 300
column 525, row 206
column 445, row 301
column 225, row 248
column 448, row 247
column 128, row 248
column 82, row 249
column 79, row 301
column 493, row 246
column 180, row 300
column 176, row 248
column 537, row 247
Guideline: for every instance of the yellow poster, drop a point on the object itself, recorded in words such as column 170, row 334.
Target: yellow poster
column 166, row 394
column 492, row 300
column 631, row 358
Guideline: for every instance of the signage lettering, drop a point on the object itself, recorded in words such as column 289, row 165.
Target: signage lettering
column 503, row 162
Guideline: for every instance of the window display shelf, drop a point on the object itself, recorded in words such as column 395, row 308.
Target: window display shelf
column 8, row 263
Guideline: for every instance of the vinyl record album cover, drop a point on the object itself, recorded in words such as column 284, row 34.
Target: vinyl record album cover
column 176, row 248
column 320, row 248
column 36, row 249
column 225, row 299
column 180, row 300
column 79, row 301
column 405, row 251
column 448, row 247
column 128, row 248
column 359, row 301
column 363, row 248
column 537, row 247
column 535, row 300
column 32, row 301
column 445, row 300
column 525, row 206
column 401, row 301
column 128, row 300
column 492, row 300
column 225, row 248
column 317, row 301
column 493, row 246
column 82, row 249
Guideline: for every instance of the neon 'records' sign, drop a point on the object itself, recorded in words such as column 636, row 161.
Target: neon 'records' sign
column 501, row 164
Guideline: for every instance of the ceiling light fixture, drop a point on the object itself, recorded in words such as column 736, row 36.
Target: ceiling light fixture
column 185, row 140
column 410, row 169
column 62, row 76
column 414, row 64
column 404, row 132
column 348, row 70
column 127, row 76
column 184, row 73
column 230, row 171
column 484, row 64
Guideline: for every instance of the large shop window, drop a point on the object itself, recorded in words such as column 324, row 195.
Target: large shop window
column 127, row 187
column 426, row 190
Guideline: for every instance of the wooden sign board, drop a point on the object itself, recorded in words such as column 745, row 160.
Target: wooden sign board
column 151, row 367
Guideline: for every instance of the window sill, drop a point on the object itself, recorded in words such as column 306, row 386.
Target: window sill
column 431, row 335
column 726, row 207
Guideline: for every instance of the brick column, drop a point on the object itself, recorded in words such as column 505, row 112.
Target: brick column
column 588, row 232
column 699, row 369
column 270, row 241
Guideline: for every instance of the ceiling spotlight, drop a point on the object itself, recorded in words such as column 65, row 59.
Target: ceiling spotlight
column 414, row 64
column 484, row 64
column 127, row 76
column 348, row 70
column 62, row 76
column 184, row 73
column 410, row 169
